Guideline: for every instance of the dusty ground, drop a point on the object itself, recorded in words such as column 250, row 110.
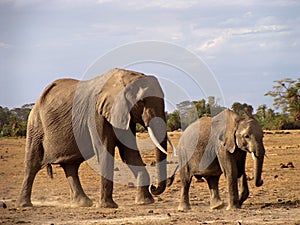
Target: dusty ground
column 276, row 202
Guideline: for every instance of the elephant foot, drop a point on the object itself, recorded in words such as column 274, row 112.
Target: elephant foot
column 21, row 203
column 143, row 196
column 82, row 202
column 108, row 204
column 144, row 199
column 183, row 206
column 243, row 198
column 241, row 201
column 233, row 207
column 216, row 204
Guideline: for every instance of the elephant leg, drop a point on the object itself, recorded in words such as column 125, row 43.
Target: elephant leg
column 106, row 179
column 26, row 190
column 134, row 161
column 242, row 178
column 185, row 187
column 78, row 197
column 33, row 160
column 213, row 184
column 243, row 189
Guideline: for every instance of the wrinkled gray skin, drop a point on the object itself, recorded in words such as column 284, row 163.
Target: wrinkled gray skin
column 210, row 147
column 72, row 121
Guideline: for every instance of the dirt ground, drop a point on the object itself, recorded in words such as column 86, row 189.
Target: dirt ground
column 276, row 202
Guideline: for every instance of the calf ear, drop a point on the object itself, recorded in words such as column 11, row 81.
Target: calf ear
column 217, row 132
column 232, row 120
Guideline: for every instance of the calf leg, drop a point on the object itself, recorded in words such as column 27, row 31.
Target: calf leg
column 185, row 187
column 242, row 179
column 243, row 189
column 213, row 184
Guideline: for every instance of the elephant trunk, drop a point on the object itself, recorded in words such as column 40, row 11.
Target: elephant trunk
column 258, row 166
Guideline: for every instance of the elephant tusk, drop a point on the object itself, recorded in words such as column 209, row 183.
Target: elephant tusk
column 154, row 140
column 266, row 156
column 253, row 155
column 172, row 145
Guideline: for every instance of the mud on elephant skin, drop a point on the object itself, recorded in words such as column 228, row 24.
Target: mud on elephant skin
column 74, row 120
column 212, row 146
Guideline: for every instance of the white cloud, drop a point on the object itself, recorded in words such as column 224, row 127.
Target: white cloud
column 21, row 3
column 220, row 37
column 144, row 4
column 5, row 45
column 207, row 45
column 258, row 30
column 103, row 1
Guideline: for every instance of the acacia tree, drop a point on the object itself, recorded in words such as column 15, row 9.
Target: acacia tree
column 200, row 107
column 261, row 111
column 242, row 109
column 286, row 94
column 173, row 122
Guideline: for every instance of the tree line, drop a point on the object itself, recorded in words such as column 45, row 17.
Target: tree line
column 13, row 123
column 286, row 95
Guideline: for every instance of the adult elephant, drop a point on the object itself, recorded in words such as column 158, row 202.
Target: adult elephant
column 74, row 120
column 212, row 146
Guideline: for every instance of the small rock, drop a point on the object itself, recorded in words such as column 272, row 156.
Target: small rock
column 250, row 178
column 131, row 185
column 268, row 204
column 151, row 211
column 3, row 205
column 159, row 199
column 276, row 176
column 201, row 180
column 168, row 214
column 288, row 165
column 117, row 169
column 282, row 165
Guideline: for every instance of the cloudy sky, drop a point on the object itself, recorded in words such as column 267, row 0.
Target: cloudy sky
column 245, row 44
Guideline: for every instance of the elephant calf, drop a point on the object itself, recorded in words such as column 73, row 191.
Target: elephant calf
column 212, row 146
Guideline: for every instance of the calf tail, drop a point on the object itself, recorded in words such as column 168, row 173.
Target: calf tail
column 50, row 171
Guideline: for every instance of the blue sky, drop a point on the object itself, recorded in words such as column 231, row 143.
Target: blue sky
column 246, row 44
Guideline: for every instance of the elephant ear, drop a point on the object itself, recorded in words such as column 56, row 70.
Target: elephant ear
column 217, row 133
column 232, row 120
column 119, row 94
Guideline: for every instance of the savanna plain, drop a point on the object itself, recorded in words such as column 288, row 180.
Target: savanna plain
column 276, row 202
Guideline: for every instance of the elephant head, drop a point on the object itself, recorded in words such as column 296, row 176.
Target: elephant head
column 128, row 98
column 247, row 135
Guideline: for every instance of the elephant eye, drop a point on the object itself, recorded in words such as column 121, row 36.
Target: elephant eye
column 247, row 136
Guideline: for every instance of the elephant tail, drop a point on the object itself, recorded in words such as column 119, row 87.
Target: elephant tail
column 50, row 171
column 171, row 178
